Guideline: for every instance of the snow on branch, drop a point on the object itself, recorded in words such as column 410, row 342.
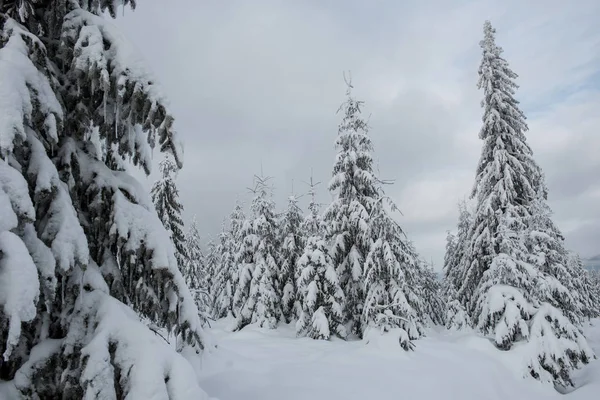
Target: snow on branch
column 25, row 92
column 121, row 83
column 147, row 265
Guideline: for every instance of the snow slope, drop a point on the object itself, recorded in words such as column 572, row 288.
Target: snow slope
column 262, row 364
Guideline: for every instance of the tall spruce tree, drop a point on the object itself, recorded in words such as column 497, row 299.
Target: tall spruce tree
column 292, row 245
column 347, row 219
column 320, row 297
column 81, row 247
column 165, row 197
column 515, row 272
column 259, row 301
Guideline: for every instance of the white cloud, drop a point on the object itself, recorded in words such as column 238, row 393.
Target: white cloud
column 259, row 82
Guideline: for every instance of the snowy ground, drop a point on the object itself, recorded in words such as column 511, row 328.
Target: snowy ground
column 261, row 364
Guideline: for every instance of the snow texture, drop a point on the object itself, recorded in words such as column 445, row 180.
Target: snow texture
column 272, row 364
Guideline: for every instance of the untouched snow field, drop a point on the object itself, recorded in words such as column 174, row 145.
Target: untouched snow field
column 263, row 364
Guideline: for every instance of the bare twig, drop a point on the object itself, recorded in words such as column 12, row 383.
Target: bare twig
column 158, row 333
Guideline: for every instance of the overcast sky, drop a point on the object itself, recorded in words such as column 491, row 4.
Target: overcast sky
column 256, row 81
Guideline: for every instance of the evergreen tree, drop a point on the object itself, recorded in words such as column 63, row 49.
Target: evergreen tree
column 320, row 296
column 212, row 265
column 347, row 219
column 514, row 280
column 223, row 287
column 395, row 279
column 291, row 250
column 236, row 240
column 245, row 263
column 565, row 285
column 456, row 317
column 81, row 247
column 430, row 288
column 165, row 197
column 583, row 285
column 594, row 278
column 194, row 271
column 258, row 279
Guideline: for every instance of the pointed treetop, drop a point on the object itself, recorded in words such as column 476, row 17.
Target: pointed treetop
column 311, row 188
column 348, row 80
column 489, row 36
column 260, row 183
column 167, row 166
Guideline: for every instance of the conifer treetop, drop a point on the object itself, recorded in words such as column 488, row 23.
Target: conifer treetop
column 506, row 164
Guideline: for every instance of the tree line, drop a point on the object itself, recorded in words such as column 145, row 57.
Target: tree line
column 350, row 268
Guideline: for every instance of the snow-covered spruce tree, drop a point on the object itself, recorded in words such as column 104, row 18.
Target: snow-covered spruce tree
column 456, row 317
column 81, row 247
column 292, row 245
column 430, row 289
column 194, row 271
column 245, row 263
column 562, row 269
column 512, row 285
column 320, row 296
column 594, row 277
column 395, row 279
column 222, row 287
column 258, row 279
column 347, row 219
column 583, row 284
column 165, row 197
column 212, row 264
column 235, row 254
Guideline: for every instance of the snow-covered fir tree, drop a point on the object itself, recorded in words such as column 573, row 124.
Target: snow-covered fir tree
column 395, row 279
column 212, row 264
column 81, row 247
column 292, row 245
column 236, row 255
column 223, row 286
column 165, row 197
column 194, row 270
column 456, row 317
column 245, row 264
column 568, row 287
column 430, row 288
column 583, row 284
column 594, row 278
column 515, row 279
column 258, row 299
column 320, row 296
column 347, row 219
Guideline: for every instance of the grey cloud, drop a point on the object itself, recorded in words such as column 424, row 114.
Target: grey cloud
column 259, row 82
